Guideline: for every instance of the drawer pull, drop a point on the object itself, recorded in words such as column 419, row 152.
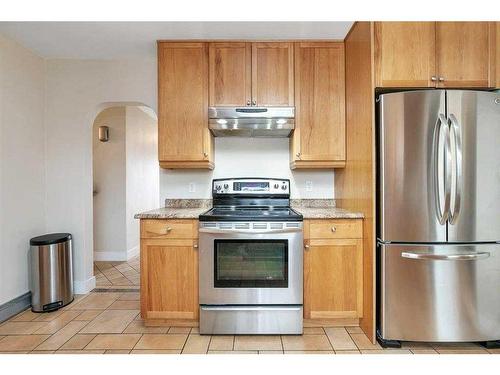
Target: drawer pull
column 195, row 245
column 334, row 229
column 306, row 247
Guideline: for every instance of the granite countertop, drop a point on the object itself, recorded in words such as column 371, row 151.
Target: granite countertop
column 192, row 208
column 178, row 209
column 322, row 209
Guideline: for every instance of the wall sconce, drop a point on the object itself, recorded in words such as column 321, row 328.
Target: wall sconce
column 103, row 133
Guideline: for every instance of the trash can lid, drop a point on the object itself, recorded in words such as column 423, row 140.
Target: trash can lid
column 50, row 239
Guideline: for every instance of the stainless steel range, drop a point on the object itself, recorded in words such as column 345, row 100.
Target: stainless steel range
column 251, row 259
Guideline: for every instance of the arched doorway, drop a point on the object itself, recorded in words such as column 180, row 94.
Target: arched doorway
column 125, row 181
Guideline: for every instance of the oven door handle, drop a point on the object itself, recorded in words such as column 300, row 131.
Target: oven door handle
column 250, row 308
column 250, row 231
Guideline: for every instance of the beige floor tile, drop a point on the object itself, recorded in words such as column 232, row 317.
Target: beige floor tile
column 313, row 331
column 20, row 328
column 42, row 352
column 233, row 352
column 97, row 301
column 117, row 351
column 423, row 351
column 462, row 351
column 21, row 342
column 125, row 305
column 347, row 352
column 25, row 316
column 130, row 296
column 64, row 334
column 362, row 342
column 19, row 352
column 494, row 351
column 55, row 325
column 110, row 321
column 221, row 343
column 80, row 351
column 137, row 326
column 257, row 343
column 114, row 341
column 455, row 345
column 179, row 330
column 309, row 352
column 340, row 339
column 306, row 342
column 354, row 330
column 196, row 344
column 157, row 351
column 49, row 316
column 78, row 342
column 156, row 341
column 415, row 345
column 88, row 315
column 195, row 331
column 270, row 351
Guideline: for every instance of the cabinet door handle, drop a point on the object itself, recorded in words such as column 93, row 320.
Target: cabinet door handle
column 441, row 79
column 298, row 155
column 254, row 102
column 205, row 154
column 248, row 102
column 195, row 245
column 433, row 78
column 307, row 247
column 334, row 229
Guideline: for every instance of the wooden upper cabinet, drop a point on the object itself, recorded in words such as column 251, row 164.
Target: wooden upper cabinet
column 184, row 140
column 319, row 137
column 405, row 54
column 465, row 54
column 272, row 74
column 230, row 74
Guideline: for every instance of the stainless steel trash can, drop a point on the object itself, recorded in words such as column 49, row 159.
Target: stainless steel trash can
column 51, row 278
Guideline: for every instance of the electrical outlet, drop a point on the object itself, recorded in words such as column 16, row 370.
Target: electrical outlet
column 192, row 187
column 309, row 186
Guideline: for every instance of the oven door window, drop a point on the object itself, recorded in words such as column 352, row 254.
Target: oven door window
column 251, row 264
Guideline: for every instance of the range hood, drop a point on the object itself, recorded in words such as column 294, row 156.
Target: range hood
column 268, row 122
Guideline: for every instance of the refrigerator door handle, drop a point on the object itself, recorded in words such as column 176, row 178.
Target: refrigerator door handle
column 472, row 256
column 456, row 169
column 442, row 178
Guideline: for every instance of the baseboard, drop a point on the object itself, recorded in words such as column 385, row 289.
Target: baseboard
column 133, row 252
column 85, row 286
column 116, row 256
column 15, row 306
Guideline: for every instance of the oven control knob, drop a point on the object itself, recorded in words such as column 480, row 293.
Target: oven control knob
column 276, row 186
column 226, row 186
column 283, row 187
column 218, row 187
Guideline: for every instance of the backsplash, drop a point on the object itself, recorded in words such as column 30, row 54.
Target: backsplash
column 247, row 157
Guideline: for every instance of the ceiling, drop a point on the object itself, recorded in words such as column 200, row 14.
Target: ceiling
column 130, row 40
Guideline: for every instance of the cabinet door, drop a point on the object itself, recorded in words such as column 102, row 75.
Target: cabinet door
column 333, row 279
column 230, row 66
column 405, row 54
column 272, row 74
column 169, row 279
column 183, row 136
column 319, row 137
column 465, row 54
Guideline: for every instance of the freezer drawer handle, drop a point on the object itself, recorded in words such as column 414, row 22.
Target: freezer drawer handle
column 473, row 256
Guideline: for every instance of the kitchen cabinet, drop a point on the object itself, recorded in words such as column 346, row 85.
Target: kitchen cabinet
column 333, row 269
column 319, row 140
column 245, row 73
column 184, row 140
column 169, row 272
column 434, row 54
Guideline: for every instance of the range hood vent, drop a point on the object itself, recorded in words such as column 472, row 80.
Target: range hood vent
column 266, row 122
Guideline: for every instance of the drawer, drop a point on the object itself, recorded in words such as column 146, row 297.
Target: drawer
column 169, row 229
column 339, row 228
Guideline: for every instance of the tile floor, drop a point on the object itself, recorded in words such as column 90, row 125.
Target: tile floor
column 109, row 323
column 117, row 274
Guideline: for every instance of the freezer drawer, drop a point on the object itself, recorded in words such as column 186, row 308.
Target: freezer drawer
column 439, row 292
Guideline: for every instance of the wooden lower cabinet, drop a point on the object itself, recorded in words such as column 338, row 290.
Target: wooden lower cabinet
column 333, row 269
column 169, row 277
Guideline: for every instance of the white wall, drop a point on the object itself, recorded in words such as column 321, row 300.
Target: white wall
column 109, row 180
column 142, row 170
column 22, row 163
column 75, row 92
column 247, row 157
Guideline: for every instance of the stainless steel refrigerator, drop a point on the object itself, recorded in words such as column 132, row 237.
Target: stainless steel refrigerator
column 438, row 216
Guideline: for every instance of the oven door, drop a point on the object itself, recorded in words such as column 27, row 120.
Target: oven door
column 251, row 266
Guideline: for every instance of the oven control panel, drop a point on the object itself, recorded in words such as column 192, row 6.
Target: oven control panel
column 251, row 186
